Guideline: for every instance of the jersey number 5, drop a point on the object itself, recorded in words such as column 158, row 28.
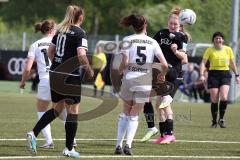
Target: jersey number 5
column 142, row 57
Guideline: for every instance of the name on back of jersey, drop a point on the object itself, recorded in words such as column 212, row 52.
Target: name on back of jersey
column 135, row 68
column 141, row 41
column 43, row 44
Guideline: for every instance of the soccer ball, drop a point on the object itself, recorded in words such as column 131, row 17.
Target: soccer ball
column 187, row 16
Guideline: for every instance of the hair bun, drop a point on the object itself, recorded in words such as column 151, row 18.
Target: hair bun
column 38, row 27
column 176, row 10
column 129, row 20
column 137, row 22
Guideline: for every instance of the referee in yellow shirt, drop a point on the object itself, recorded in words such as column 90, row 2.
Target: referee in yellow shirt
column 221, row 59
column 99, row 62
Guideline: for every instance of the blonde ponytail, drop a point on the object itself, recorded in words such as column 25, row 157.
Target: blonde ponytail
column 175, row 12
column 71, row 17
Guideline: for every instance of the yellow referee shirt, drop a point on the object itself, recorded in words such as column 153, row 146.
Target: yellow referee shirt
column 99, row 61
column 219, row 59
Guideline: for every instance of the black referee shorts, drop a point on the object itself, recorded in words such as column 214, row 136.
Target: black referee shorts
column 217, row 78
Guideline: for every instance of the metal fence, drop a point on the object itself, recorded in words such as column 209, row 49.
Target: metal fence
column 22, row 41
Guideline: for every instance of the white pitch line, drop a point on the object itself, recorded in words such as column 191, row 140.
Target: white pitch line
column 111, row 156
column 31, row 157
column 219, row 142
column 183, row 141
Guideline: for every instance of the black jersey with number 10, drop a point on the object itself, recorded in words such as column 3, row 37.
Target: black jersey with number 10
column 67, row 44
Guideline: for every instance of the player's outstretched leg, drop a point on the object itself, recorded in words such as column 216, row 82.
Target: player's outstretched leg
column 149, row 115
column 32, row 142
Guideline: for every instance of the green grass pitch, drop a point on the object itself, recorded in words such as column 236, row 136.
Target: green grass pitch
column 195, row 138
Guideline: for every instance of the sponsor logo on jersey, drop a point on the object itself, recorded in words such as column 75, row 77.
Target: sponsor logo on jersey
column 165, row 41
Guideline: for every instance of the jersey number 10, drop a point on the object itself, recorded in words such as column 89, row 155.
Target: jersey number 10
column 61, row 39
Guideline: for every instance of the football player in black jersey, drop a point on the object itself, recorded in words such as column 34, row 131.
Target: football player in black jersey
column 173, row 43
column 67, row 52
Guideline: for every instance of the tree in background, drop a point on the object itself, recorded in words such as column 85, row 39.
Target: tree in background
column 102, row 16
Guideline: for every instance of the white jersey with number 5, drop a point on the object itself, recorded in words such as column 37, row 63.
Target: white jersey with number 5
column 38, row 52
column 140, row 55
column 137, row 79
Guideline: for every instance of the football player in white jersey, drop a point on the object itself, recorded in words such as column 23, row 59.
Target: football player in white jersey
column 38, row 53
column 136, row 67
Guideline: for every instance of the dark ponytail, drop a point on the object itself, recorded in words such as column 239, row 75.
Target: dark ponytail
column 136, row 21
column 38, row 27
column 44, row 26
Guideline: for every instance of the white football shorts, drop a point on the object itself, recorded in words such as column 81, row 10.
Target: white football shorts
column 130, row 91
column 44, row 90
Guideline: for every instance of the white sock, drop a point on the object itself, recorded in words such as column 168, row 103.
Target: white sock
column 46, row 131
column 122, row 126
column 153, row 129
column 131, row 129
column 32, row 134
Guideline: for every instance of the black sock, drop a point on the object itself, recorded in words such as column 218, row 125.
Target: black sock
column 71, row 129
column 47, row 118
column 95, row 90
column 169, row 126
column 222, row 108
column 195, row 94
column 149, row 114
column 162, row 128
column 102, row 91
column 214, row 111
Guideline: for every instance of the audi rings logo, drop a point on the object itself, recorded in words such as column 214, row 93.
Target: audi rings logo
column 16, row 66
